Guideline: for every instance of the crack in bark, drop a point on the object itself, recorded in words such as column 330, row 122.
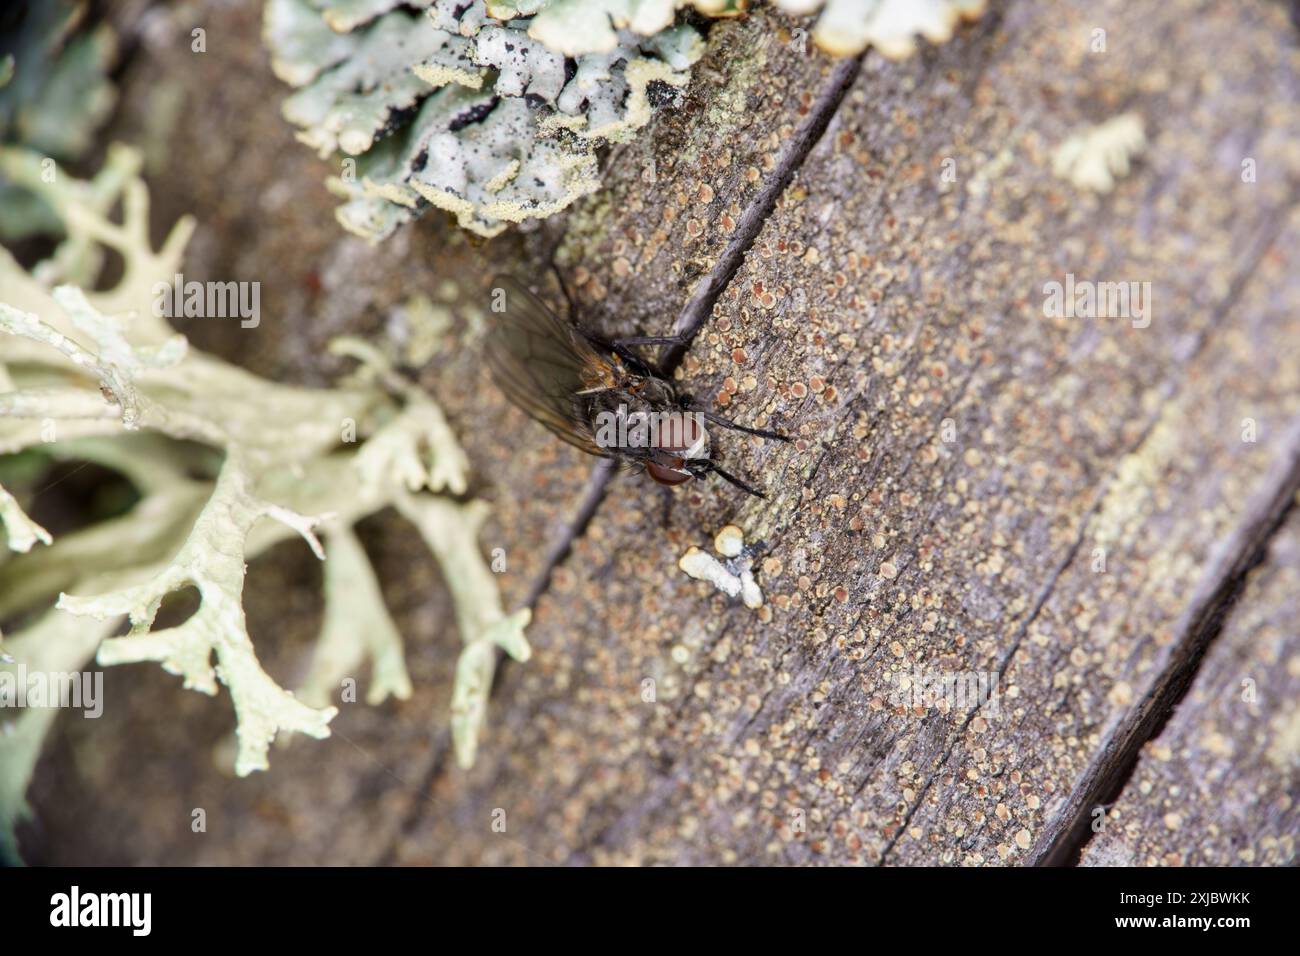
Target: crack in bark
column 691, row 319
column 560, row 547
column 809, row 133
column 1053, row 848
column 1062, row 843
column 708, row 290
column 1063, row 840
column 1043, row 596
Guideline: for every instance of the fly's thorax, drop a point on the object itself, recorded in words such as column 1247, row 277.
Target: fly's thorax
column 626, row 421
column 655, row 391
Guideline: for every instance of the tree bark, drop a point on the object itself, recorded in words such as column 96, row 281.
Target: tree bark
column 1065, row 507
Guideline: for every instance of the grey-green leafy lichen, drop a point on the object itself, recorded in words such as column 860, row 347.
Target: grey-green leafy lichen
column 493, row 110
column 101, row 377
column 450, row 107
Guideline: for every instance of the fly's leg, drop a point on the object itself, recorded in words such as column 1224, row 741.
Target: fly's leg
column 564, row 288
column 653, row 340
column 743, row 486
column 624, row 348
column 701, row 468
column 668, row 506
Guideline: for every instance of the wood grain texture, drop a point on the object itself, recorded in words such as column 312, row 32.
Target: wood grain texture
column 963, row 464
column 1218, row 785
column 890, row 549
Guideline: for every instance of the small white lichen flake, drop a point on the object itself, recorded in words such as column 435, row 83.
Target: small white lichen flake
column 1094, row 158
column 735, row 575
column 847, row 27
column 729, row 542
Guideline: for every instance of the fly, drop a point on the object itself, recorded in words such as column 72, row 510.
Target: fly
column 599, row 395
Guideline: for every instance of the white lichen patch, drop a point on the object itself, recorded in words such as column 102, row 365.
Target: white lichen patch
column 729, row 542
column 734, row 577
column 847, row 27
column 575, row 27
column 844, row 27
column 350, row 105
column 1095, row 158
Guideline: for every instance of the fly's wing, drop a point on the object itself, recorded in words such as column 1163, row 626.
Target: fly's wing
column 537, row 360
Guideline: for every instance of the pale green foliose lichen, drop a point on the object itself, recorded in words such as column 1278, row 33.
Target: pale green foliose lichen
column 493, row 110
column 447, row 106
column 211, row 450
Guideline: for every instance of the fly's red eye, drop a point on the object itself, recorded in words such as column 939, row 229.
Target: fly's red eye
column 665, row 475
